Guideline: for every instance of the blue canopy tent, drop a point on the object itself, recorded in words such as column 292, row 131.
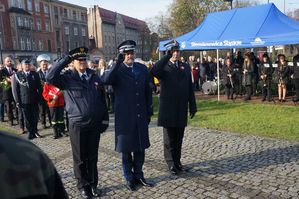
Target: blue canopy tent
column 249, row 27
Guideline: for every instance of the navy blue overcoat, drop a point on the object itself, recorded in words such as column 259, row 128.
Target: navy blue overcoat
column 133, row 105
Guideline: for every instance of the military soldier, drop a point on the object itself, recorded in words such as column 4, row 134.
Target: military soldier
column 87, row 113
column 133, row 110
column 43, row 61
column 8, row 71
column 175, row 96
column 295, row 76
column 29, row 174
column 265, row 72
column 27, row 92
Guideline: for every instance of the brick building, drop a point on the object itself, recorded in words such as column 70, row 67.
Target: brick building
column 32, row 27
column 108, row 29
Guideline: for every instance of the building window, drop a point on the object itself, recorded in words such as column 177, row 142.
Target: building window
column 83, row 32
column 29, row 5
column 19, row 4
column 66, row 30
column 33, row 45
column 23, row 44
column 75, row 31
column 74, row 15
column 31, row 24
column 38, row 25
column 40, row 45
column 46, row 8
column 37, row 6
column 20, row 21
column 28, row 44
column 26, row 22
column 65, row 12
column 47, row 26
column 56, row 10
column 82, row 16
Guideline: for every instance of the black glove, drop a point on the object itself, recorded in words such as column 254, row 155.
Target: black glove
column 192, row 114
column 169, row 52
column 120, row 58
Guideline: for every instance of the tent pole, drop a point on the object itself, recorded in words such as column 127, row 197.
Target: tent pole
column 218, row 75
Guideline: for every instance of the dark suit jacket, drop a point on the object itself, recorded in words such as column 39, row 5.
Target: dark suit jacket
column 176, row 92
column 133, row 105
column 27, row 89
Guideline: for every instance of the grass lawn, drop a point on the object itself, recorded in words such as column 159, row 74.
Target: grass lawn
column 266, row 120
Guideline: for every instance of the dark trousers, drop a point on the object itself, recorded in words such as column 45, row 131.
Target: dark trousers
column 196, row 85
column 248, row 90
column 1, row 111
column 132, row 165
column 9, row 108
column 57, row 116
column 85, row 145
column 296, row 81
column 266, row 90
column 229, row 91
column 30, row 113
column 44, row 112
column 20, row 117
column 173, row 140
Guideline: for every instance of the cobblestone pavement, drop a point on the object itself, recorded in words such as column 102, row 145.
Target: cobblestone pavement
column 221, row 165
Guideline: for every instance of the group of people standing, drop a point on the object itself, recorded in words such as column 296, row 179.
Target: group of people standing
column 247, row 72
column 83, row 91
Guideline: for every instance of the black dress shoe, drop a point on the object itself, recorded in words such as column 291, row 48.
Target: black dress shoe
column 131, row 185
column 86, row 193
column 143, row 182
column 31, row 136
column 38, row 135
column 95, row 191
column 181, row 168
column 173, row 170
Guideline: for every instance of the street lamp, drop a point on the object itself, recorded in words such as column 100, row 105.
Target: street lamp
column 1, row 48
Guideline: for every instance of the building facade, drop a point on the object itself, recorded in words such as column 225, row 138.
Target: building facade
column 33, row 27
column 108, row 29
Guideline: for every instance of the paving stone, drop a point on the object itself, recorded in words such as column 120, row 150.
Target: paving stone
column 222, row 165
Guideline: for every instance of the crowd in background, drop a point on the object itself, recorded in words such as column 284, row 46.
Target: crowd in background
column 247, row 75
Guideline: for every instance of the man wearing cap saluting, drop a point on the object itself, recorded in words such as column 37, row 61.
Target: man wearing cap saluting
column 133, row 109
column 27, row 92
column 87, row 113
column 176, row 95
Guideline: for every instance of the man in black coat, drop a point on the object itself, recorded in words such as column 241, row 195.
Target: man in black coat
column 28, row 92
column 43, row 61
column 133, row 110
column 7, row 98
column 87, row 113
column 296, row 76
column 176, row 95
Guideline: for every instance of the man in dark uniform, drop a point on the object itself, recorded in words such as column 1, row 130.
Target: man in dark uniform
column 7, row 97
column 43, row 61
column 88, row 115
column 296, row 77
column 265, row 72
column 176, row 94
column 26, row 171
column 133, row 110
column 27, row 92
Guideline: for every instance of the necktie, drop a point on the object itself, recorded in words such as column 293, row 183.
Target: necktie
column 83, row 77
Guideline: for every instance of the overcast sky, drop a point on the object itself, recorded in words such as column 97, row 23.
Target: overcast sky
column 144, row 9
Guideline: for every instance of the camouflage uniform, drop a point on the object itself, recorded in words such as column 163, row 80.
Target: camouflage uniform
column 26, row 172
